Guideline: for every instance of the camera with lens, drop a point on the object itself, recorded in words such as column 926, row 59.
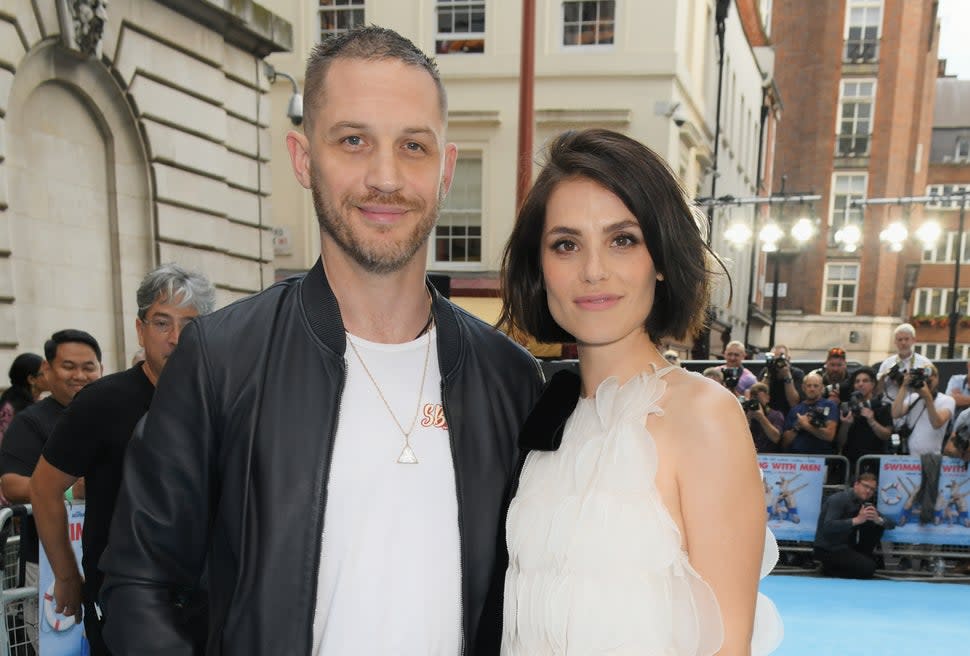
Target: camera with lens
column 775, row 363
column 818, row 415
column 855, row 404
column 750, row 405
column 917, row 378
column 962, row 439
column 899, row 442
column 895, row 374
column 831, row 389
column 732, row 376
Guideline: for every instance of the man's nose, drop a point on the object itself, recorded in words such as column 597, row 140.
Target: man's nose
column 384, row 171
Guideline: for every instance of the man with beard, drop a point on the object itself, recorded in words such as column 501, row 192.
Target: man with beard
column 810, row 425
column 835, row 376
column 329, row 460
column 91, row 437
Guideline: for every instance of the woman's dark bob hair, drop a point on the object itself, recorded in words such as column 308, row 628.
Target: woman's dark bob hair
column 646, row 185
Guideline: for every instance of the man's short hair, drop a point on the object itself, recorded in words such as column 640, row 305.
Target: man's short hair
column 782, row 346
column 735, row 342
column 811, row 374
column 367, row 43
column 170, row 282
column 868, row 371
column 67, row 336
column 714, row 373
column 758, row 387
column 671, row 228
column 866, row 476
column 905, row 328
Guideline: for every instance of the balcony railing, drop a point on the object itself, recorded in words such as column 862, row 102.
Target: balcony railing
column 859, row 51
column 852, row 145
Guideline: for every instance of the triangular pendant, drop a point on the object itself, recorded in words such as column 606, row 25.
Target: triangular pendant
column 407, row 456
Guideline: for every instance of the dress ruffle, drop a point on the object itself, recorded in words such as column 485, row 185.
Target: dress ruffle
column 596, row 564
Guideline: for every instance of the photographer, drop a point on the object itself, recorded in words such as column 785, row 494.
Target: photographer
column 958, row 446
column 737, row 378
column 810, row 425
column 784, row 381
column 849, row 528
column 921, row 412
column 835, row 376
column 764, row 422
column 959, row 388
column 866, row 422
column 892, row 369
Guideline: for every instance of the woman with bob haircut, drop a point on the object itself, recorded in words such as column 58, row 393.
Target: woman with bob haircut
column 637, row 524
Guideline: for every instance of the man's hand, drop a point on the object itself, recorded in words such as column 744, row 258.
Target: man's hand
column 803, row 422
column 867, row 513
column 67, row 597
column 867, row 413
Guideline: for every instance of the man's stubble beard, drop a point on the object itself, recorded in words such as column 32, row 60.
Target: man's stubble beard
column 387, row 256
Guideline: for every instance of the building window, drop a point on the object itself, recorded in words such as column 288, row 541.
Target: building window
column 855, row 117
column 458, row 235
column 841, row 285
column 863, row 22
column 946, row 190
column 935, row 302
column 937, row 351
column 588, row 22
column 338, row 16
column 846, row 187
column 962, row 153
column 461, row 26
column 944, row 252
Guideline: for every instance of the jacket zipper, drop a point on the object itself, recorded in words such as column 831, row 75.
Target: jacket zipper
column 518, row 474
column 461, row 541
column 323, row 503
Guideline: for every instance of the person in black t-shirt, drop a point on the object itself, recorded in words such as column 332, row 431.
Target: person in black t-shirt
column 91, row 439
column 73, row 359
column 866, row 424
column 783, row 380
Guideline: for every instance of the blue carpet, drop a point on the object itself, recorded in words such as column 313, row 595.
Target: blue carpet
column 870, row 618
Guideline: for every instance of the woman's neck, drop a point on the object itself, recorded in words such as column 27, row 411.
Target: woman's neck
column 623, row 359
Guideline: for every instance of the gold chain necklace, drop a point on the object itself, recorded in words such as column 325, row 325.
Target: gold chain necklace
column 407, row 456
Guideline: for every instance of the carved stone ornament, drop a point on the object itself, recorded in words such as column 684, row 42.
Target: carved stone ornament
column 82, row 25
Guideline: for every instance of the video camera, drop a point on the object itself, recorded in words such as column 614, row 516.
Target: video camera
column 749, row 405
column 818, row 415
column 732, row 376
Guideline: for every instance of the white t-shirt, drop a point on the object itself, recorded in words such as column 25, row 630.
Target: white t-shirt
column 890, row 388
column 925, row 438
column 390, row 579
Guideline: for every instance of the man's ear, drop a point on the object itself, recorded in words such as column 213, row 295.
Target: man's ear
column 299, row 147
column 448, row 172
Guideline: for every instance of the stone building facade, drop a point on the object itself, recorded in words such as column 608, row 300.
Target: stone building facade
column 132, row 133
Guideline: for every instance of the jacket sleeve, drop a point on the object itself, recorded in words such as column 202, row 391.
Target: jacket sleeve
column 836, row 521
column 160, row 529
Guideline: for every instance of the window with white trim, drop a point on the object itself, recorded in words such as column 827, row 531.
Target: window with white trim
column 962, row 150
column 938, row 351
column 461, row 26
column 458, row 235
column 863, row 23
column 588, row 22
column 855, row 117
column 935, row 301
column 841, row 287
column 946, row 190
column 339, row 16
column 945, row 250
column 846, row 187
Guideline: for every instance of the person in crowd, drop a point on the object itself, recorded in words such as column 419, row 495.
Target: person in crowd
column 810, row 425
column 607, row 252
column 764, row 422
column 715, row 374
column 90, row 439
column 921, row 412
column 836, row 382
column 737, row 377
column 891, row 371
column 959, row 388
column 327, row 456
column 958, row 443
column 672, row 357
column 849, row 528
column 783, row 380
column 866, row 422
column 72, row 361
column 27, row 383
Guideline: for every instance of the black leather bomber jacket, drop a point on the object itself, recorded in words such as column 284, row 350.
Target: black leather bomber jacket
column 228, row 480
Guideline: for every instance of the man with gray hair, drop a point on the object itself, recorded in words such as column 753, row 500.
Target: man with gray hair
column 893, row 368
column 91, row 438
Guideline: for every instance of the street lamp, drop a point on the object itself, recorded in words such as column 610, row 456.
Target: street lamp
column 770, row 236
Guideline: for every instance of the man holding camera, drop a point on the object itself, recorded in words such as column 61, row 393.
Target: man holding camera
column 810, row 425
column 893, row 368
column 921, row 412
column 764, row 422
column 783, row 380
column 866, row 422
column 958, row 446
column 849, row 528
column 836, row 386
column 737, row 378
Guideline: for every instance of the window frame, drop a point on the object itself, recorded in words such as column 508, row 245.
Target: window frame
column 865, row 6
column 351, row 7
column 841, row 283
column 581, row 47
column 849, row 215
column 465, row 153
column 856, row 101
column 452, row 5
column 924, row 299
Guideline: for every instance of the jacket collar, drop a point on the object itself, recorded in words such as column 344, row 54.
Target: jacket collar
column 323, row 314
column 543, row 429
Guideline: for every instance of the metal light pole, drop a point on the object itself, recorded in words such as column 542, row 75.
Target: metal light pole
column 523, row 166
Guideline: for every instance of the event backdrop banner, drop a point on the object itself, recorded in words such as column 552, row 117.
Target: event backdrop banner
column 59, row 635
column 793, row 494
column 899, row 482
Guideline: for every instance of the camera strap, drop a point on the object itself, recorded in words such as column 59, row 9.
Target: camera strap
column 905, row 417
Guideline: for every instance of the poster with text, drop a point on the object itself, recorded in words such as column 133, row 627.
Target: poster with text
column 59, row 635
column 899, row 498
column 793, row 494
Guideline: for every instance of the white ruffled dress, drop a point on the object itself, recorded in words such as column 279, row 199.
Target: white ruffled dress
column 595, row 559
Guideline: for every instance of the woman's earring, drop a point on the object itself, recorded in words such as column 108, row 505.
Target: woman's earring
column 660, row 276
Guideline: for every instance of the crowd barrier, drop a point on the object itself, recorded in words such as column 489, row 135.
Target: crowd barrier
column 13, row 592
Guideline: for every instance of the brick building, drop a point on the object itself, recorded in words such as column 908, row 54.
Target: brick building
column 858, row 78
